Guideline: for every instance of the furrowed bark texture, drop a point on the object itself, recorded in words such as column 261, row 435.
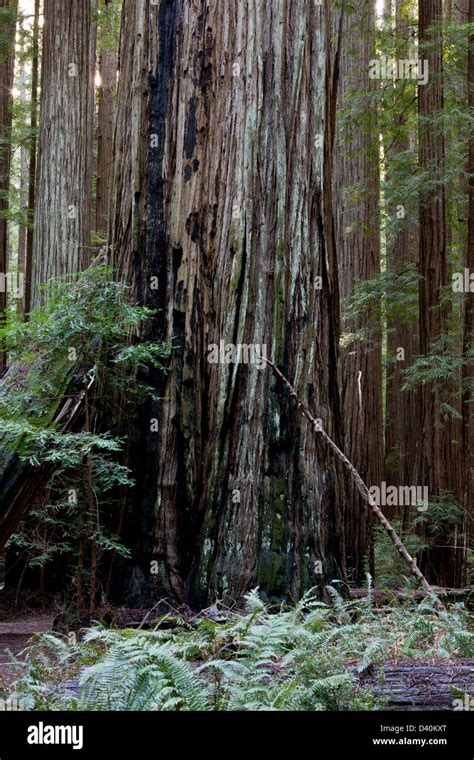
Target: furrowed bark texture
column 356, row 204
column 63, row 205
column 222, row 192
column 7, row 60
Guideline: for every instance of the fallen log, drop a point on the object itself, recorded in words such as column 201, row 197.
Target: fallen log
column 420, row 684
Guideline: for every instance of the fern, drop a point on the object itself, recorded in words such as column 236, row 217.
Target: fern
column 305, row 658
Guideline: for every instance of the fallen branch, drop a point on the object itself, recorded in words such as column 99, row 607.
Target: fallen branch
column 362, row 488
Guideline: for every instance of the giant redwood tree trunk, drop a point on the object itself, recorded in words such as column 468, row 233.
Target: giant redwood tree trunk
column 357, row 223
column 222, row 219
column 63, row 201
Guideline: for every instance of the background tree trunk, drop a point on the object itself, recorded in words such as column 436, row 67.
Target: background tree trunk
column 63, row 205
column 33, row 157
column 438, row 466
column 222, row 192
column 358, row 243
column 7, row 60
column 22, row 227
column 402, row 442
column 105, row 134
column 467, row 10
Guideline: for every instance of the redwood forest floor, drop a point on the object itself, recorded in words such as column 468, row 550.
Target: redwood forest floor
column 389, row 645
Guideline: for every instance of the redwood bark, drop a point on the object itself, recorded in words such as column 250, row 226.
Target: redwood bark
column 358, row 239
column 439, row 465
column 402, row 442
column 222, row 191
column 468, row 327
column 22, row 227
column 63, row 205
column 105, row 134
column 6, row 83
column 33, row 158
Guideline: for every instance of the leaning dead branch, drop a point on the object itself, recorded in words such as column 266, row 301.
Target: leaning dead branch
column 361, row 486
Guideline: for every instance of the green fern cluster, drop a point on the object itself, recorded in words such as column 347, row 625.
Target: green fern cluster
column 305, row 658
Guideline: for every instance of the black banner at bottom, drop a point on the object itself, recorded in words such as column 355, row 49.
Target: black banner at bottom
column 129, row 735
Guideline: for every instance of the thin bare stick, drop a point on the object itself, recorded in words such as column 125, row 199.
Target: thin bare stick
column 362, row 488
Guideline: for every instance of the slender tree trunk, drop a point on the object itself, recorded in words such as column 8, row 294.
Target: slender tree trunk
column 222, row 218
column 6, row 83
column 467, row 9
column 33, row 156
column 358, row 240
column 80, row 564
column 23, row 195
column 105, row 133
column 438, row 466
column 468, row 412
column 92, row 124
column 433, row 265
column 63, row 203
column 402, row 444
column 91, row 517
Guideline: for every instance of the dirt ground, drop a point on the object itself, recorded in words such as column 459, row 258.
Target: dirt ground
column 15, row 635
column 20, row 617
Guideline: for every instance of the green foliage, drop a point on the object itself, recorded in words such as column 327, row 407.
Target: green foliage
column 79, row 342
column 390, row 568
column 305, row 658
column 392, row 296
column 7, row 27
column 108, row 16
column 444, row 517
column 85, row 325
column 441, row 367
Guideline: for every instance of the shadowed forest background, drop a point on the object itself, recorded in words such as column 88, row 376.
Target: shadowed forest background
column 199, row 200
